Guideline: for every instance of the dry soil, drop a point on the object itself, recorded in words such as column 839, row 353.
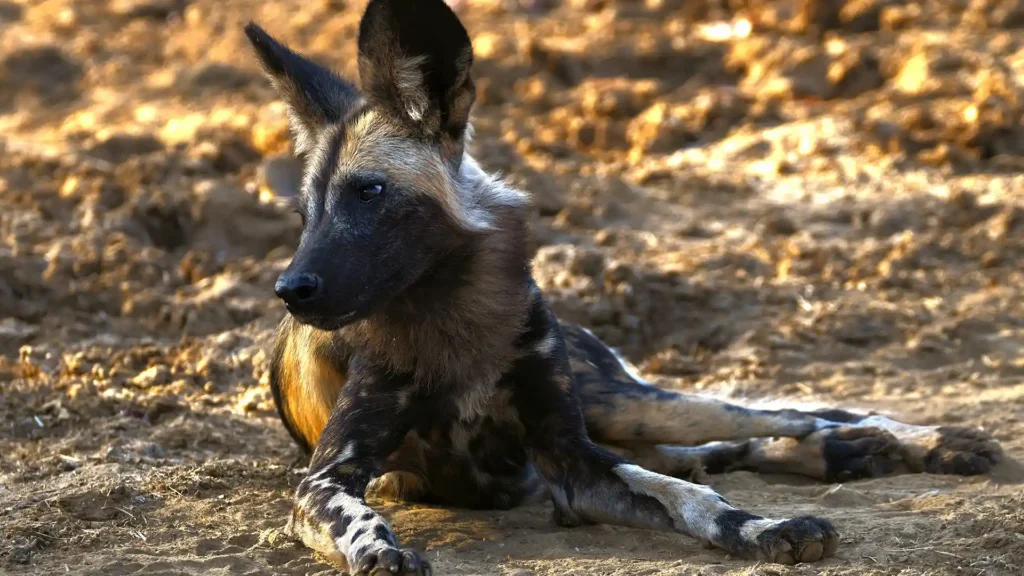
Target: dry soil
column 800, row 201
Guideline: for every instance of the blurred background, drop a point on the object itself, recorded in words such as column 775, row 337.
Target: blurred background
column 813, row 200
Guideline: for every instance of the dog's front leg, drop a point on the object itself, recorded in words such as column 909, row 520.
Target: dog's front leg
column 330, row 513
column 591, row 484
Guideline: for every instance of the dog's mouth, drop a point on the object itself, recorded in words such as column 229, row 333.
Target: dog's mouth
column 327, row 323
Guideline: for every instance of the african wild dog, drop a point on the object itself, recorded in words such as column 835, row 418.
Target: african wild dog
column 420, row 361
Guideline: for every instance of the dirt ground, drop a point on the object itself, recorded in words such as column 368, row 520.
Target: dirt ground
column 793, row 201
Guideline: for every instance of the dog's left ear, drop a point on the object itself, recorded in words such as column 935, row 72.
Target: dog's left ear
column 414, row 60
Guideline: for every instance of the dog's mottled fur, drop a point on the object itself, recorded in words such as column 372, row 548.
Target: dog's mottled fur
column 420, row 360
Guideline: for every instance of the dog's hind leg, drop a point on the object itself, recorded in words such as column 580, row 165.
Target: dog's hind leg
column 682, row 435
column 832, row 454
column 622, row 409
column 589, row 484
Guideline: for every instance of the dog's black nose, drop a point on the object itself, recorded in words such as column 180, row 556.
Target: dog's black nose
column 299, row 289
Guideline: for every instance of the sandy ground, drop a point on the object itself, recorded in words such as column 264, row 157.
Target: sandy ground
column 799, row 201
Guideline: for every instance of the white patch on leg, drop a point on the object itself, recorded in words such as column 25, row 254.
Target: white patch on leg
column 342, row 504
column 916, row 440
column 547, row 345
column 692, row 506
column 321, row 483
column 347, row 453
column 898, row 429
column 751, row 529
column 348, row 502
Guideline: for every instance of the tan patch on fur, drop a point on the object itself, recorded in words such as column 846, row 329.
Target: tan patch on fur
column 316, row 536
column 309, row 381
column 687, row 421
column 804, row 457
column 374, row 142
column 397, row 485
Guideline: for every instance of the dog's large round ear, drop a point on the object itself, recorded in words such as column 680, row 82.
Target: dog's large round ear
column 315, row 95
column 414, row 61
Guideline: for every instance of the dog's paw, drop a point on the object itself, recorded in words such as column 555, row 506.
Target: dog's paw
column 385, row 561
column 857, row 453
column 800, row 539
column 962, row 451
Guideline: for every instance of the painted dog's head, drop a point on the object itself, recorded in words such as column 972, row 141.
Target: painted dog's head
column 388, row 189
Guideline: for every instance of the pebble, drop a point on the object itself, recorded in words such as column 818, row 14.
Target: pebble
column 281, row 175
column 157, row 375
column 14, row 333
column 587, row 262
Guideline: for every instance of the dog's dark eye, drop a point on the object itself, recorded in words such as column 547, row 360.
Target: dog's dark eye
column 367, row 193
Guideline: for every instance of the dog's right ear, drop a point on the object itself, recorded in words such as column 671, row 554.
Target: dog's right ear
column 315, row 96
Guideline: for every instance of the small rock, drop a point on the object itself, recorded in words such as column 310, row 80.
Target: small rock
column 860, row 16
column 842, row 497
column 602, row 313
column 587, row 262
column 778, row 225
column 994, row 15
column 547, row 196
column 253, row 399
column 281, row 175
column 119, row 147
column 854, row 73
column 156, row 375
column 804, row 75
column 14, row 333
column 162, row 407
column 815, row 17
column 228, row 155
column 562, row 66
column 580, row 213
column 605, row 237
column 899, row 17
column 153, row 9
column 992, row 259
column 271, row 134
column 599, row 133
column 21, row 555
column 885, row 222
column 216, row 201
column 1007, row 224
column 617, row 273
column 616, row 97
column 659, row 130
column 922, row 73
column 133, row 452
column 490, row 93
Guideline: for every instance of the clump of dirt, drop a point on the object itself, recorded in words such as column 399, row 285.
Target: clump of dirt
column 803, row 201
